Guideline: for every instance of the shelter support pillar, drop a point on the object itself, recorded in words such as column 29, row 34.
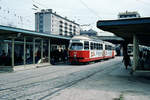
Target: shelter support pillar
column 24, row 56
column 135, row 52
column 12, row 52
column 33, row 50
column 49, row 50
column 42, row 50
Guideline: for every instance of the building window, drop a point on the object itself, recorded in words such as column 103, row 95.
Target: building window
column 66, row 24
column 41, row 30
column 60, row 34
column 60, row 26
column 70, row 25
column 41, row 21
column 70, row 33
column 70, row 29
column 66, row 32
column 60, row 22
column 60, row 30
column 41, row 15
column 41, row 26
column 66, row 27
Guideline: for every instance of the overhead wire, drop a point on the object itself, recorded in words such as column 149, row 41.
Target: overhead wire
column 38, row 4
column 91, row 10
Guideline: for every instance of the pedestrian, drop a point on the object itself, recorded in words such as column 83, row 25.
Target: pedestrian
column 127, row 61
column 141, row 60
column 3, row 57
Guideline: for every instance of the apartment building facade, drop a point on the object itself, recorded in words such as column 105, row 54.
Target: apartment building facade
column 49, row 22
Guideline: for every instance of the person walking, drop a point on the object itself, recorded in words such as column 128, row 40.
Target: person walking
column 127, row 61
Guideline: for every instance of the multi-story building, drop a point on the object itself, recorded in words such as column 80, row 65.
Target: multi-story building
column 125, row 15
column 89, row 32
column 49, row 22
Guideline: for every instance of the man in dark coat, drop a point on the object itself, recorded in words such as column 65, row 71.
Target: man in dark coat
column 127, row 61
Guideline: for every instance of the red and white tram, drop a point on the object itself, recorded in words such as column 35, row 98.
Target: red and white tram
column 85, row 49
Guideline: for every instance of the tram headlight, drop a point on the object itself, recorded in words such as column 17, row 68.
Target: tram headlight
column 75, row 56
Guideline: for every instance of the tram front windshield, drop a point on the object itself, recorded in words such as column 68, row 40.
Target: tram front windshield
column 76, row 46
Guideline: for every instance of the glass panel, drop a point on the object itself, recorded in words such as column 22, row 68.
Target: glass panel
column 29, row 52
column 92, row 45
column 101, row 47
column 76, row 46
column 106, row 47
column 18, row 52
column 5, row 52
column 45, row 51
column 37, row 50
column 86, row 45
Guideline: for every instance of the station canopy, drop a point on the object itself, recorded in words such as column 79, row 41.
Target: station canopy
column 7, row 31
column 126, row 28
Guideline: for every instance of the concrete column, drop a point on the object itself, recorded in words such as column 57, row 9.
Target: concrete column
column 24, row 56
column 42, row 50
column 135, row 52
column 12, row 52
column 49, row 50
column 33, row 50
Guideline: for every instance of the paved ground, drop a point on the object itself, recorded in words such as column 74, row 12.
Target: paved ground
column 106, row 80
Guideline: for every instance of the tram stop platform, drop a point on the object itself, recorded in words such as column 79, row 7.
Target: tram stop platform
column 22, row 67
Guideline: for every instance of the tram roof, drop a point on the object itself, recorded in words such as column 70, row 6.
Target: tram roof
column 126, row 28
column 88, row 38
column 12, row 32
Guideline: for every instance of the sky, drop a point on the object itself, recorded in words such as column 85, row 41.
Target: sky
column 19, row 13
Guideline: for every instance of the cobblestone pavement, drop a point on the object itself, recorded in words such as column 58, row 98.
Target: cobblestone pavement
column 105, row 79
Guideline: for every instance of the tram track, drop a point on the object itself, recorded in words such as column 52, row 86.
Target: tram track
column 36, row 83
column 11, row 90
column 45, row 74
column 37, row 76
column 64, row 86
column 50, row 86
column 56, row 88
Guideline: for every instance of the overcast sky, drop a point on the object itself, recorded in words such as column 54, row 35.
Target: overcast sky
column 82, row 11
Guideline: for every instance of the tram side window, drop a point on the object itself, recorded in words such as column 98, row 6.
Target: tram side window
column 101, row 47
column 97, row 46
column 106, row 47
column 113, row 48
column 109, row 47
column 86, row 45
column 92, row 45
